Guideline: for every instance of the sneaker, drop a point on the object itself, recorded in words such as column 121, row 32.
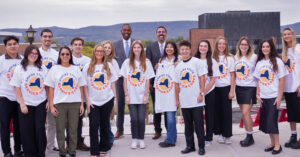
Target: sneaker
column 228, row 140
column 142, row 144
column 134, row 144
column 221, row 139
column 208, row 143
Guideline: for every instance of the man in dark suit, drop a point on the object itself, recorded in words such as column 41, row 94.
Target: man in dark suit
column 122, row 48
column 154, row 52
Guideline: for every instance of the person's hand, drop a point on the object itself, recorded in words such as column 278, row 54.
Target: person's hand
column 24, row 109
column 277, row 102
column 231, row 95
column 81, row 111
column 298, row 91
column 178, row 104
column 47, row 106
column 89, row 105
column 127, row 101
column 145, row 100
column 54, row 111
column 200, row 98
column 259, row 99
column 156, row 66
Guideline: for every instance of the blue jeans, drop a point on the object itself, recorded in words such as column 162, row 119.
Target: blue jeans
column 171, row 131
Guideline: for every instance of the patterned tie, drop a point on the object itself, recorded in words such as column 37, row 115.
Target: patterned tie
column 161, row 50
column 127, row 49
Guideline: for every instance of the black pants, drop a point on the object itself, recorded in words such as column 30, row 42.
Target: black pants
column 209, row 114
column 223, row 112
column 137, row 120
column 157, row 116
column 8, row 112
column 121, row 105
column 33, row 132
column 99, row 117
column 193, row 120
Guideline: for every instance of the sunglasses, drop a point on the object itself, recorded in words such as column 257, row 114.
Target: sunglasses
column 65, row 54
column 161, row 32
column 47, row 36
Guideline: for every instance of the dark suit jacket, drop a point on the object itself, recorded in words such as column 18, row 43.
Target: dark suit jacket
column 153, row 53
column 120, row 52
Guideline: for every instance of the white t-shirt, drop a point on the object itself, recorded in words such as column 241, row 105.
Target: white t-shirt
column 244, row 69
column 268, row 80
column 6, row 73
column 226, row 66
column 292, row 65
column 116, row 67
column 136, row 80
column 216, row 73
column 99, row 85
column 81, row 62
column 31, row 83
column 49, row 57
column 66, row 82
column 164, row 84
column 187, row 75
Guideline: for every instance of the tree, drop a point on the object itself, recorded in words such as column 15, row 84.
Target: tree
column 146, row 42
column 91, row 44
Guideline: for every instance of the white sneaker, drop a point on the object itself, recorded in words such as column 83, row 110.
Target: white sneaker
column 142, row 144
column 228, row 140
column 221, row 139
column 208, row 143
column 134, row 144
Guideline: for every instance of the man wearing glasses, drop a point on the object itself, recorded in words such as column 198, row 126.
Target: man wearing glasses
column 154, row 52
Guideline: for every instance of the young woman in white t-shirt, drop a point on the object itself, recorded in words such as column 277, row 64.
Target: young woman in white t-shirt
column 164, row 85
column 224, row 91
column 245, row 90
column 137, row 72
column 100, row 94
column 204, row 53
column 28, row 82
column 270, row 73
column 65, row 98
column 291, row 58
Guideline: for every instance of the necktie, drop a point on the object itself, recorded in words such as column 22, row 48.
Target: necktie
column 127, row 49
column 161, row 50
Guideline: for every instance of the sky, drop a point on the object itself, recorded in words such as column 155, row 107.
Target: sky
column 82, row 13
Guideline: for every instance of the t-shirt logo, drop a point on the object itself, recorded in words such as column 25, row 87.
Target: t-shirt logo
column 10, row 72
column 99, row 81
column 34, row 84
column 80, row 67
column 164, row 83
column 187, row 78
column 136, row 78
column 67, row 84
column 223, row 70
column 266, row 76
column 48, row 62
column 242, row 70
column 289, row 63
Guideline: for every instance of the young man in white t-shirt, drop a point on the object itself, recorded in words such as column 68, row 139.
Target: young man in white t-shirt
column 8, row 100
column 49, row 59
column 190, row 86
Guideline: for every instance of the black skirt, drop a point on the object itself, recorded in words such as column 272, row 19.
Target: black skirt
column 269, row 117
column 245, row 95
column 292, row 107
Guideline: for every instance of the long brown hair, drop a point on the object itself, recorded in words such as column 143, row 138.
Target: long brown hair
column 28, row 51
column 93, row 62
column 112, row 55
column 250, row 51
column 208, row 56
column 285, row 44
column 216, row 50
column 272, row 55
column 142, row 56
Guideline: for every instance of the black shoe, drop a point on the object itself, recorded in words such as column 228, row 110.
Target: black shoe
column 8, row 155
column 296, row 145
column 201, row 151
column 19, row 154
column 292, row 140
column 60, row 155
column 166, row 144
column 72, row 155
column 268, row 149
column 248, row 141
column 188, row 150
column 277, row 151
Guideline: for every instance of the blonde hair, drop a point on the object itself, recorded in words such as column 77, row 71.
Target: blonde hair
column 250, row 51
column 216, row 50
column 93, row 62
column 112, row 55
column 285, row 44
column 142, row 56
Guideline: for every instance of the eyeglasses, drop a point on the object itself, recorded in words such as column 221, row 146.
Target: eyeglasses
column 161, row 32
column 47, row 36
column 33, row 54
column 65, row 54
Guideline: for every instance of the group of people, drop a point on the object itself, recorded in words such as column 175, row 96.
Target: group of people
column 57, row 87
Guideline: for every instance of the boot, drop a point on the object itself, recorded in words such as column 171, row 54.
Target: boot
column 292, row 140
column 248, row 141
column 81, row 146
column 296, row 145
